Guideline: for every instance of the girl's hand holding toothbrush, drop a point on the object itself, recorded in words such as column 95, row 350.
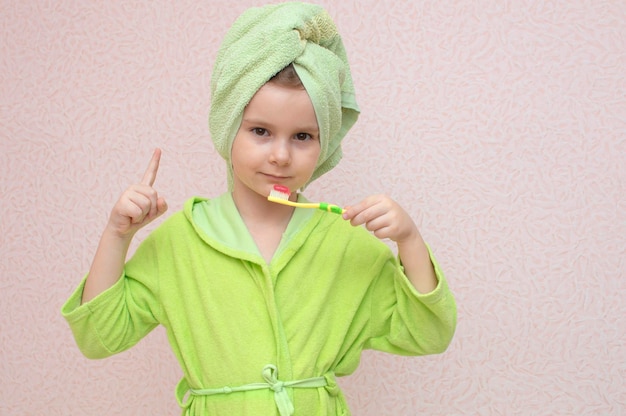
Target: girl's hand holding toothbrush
column 384, row 217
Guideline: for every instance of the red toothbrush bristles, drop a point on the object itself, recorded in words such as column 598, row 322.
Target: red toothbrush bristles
column 283, row 189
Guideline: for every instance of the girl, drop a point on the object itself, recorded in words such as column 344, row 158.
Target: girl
column 264, row 304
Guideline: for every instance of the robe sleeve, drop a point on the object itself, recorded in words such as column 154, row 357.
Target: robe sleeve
column 119, row 317
column 406, row 322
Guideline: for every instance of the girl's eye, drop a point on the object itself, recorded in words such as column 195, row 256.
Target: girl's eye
column 259, row 131
column 303, row 136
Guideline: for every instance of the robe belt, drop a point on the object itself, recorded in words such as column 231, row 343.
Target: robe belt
column 270, row 375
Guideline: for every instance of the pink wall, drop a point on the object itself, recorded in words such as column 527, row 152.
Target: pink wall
column 501, row 125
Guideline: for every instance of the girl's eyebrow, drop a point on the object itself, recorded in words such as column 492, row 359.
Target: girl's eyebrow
column 253, row 121
column 311, row 128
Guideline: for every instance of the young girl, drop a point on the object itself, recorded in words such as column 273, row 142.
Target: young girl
column 264, row 304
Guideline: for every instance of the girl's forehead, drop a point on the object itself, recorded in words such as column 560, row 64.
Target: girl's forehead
column 281, row 104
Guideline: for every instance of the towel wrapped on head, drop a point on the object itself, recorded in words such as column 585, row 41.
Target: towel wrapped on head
column 260, row 43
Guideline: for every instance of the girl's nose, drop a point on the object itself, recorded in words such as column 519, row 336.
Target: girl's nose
column 280, row 153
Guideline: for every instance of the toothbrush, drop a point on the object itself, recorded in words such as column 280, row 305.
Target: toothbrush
column 280, row 194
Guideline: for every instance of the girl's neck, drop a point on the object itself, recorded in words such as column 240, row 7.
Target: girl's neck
column 256, row 209
column 266, row 221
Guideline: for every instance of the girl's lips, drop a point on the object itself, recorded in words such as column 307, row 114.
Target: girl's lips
column 275, row 177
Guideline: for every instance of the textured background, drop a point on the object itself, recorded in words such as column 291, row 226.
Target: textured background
column 500, row 125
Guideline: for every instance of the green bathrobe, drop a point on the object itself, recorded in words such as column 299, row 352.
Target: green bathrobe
column 263, row 339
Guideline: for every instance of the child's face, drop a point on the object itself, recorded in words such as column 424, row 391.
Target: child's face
column 277, row 142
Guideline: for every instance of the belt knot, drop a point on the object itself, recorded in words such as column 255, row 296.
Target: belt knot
column 281, row 397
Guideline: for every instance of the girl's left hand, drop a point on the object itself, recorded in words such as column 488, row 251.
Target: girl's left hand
column 384, row 217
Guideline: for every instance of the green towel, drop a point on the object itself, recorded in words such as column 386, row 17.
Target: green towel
column 261, row 42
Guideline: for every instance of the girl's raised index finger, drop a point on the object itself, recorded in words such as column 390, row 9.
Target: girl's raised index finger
column 150, row 176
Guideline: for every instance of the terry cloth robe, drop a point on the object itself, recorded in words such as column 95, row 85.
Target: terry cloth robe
column 330, row 291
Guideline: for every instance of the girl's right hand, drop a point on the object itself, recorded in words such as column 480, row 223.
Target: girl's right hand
column 139, row 205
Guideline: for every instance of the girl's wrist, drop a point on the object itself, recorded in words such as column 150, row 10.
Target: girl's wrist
column 112, row 233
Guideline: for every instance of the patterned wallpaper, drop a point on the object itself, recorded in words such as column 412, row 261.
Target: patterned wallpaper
column 499, row 124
